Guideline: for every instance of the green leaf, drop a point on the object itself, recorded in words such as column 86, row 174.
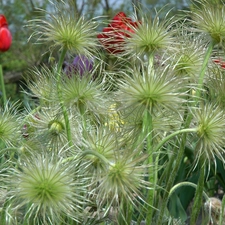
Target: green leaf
column 176, row 209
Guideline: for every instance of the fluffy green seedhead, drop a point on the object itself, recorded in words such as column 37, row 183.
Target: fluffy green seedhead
column 47, row 126
column 209, row 19
column 123, row 181
column 63, row 28
column 10, row 128
column 42, row 85
column 85, row 95
column 99, row 146
column 48, row 189
column 150, row 36
column 210, row 122
column 150, row 90
column 188, row 57
column 216, row 85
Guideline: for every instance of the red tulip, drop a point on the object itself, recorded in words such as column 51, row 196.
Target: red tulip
column 112, row 37
column 3, row 21
column 5, row 35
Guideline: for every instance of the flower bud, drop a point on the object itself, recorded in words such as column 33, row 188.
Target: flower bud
column 5, row 35
column 55, row 127
column 80, row 65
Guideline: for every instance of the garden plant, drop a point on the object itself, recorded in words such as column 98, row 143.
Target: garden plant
column 126, row 127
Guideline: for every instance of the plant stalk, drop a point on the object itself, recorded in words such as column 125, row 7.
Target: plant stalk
column 148, row 127
column 198, row 195
column 203, row 69
column 65, row 113
column 2, row 83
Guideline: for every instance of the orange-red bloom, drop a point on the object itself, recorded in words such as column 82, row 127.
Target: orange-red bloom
column 5, row 35
column 112, row 37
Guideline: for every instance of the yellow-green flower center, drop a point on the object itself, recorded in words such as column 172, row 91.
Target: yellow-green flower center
column 55, row 127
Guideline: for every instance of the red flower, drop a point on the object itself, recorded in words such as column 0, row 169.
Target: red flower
column 112, row 37
column 222, row 65
column 5, row 35
column 219, row 62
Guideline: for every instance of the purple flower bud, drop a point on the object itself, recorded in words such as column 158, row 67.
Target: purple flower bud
column 81, row 65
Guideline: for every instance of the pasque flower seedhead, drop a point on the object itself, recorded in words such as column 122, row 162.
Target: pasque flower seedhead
column 210, row 122
column 9, row 125
column 48, row 127
column 150, row 36
column 85, row 94
column 189, row 54
column 66, row 30
column 150, row 90
column 210, row 19
column 42, row 84
column 123, row 179
column 100, row 141
column 216, row 86
column 48, row 188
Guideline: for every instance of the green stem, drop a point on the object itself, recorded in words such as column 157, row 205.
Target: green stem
column 203, row 69
column 88, row 152
column 98, row 155
column 198, row 195
column 60, row 63
column 2, row 83
column 148, row 129
column 187, row 130
column 173, row 174
column 153, row 168
column 222, row 211
column 65, row 113
column 126, row 212
column 186, row 183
